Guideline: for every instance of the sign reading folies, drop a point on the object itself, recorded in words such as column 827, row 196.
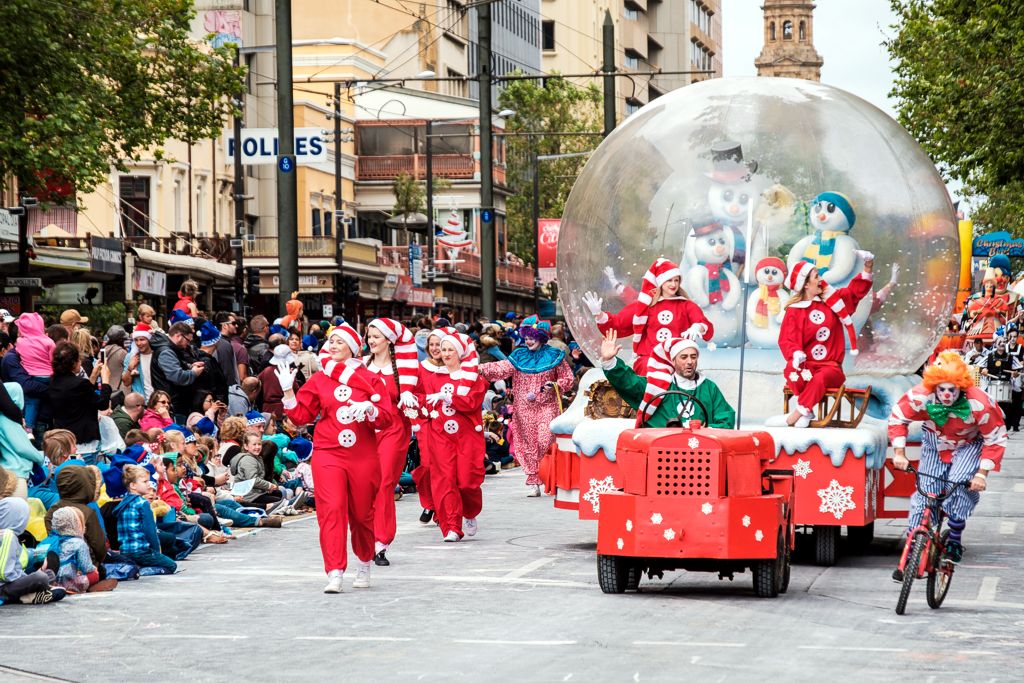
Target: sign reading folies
column 260, row 146
column 547, row 248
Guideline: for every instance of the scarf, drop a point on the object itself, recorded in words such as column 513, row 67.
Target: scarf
column 940, row 412
column 767, row 302
column 819, row 252
column 718, row 282
column 535, row 362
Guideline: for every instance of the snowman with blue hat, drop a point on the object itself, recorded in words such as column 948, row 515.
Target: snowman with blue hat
column 831, row 249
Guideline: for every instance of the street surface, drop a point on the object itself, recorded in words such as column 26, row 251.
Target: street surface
column 521, row 602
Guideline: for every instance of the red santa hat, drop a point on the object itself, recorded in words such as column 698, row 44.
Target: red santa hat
column 773, row 262
column 830, row 295
column 467, row 375
column 660, row 370
column 406, row 356
column 349, row 336
column 660, row 272
column 142, row 330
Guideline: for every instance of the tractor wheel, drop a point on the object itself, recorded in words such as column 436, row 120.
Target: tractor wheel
column 787, row 564
column 633, row 574
column 860, row 537
column 826, row 545
column 769, row 575
column 612, row 573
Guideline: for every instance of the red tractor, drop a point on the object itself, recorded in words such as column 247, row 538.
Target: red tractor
column 696, row 499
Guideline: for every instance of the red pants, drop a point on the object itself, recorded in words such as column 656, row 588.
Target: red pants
column 824, row 376
column 345, row 489
column 421, row 475
column 456, row 475
column 393, row 448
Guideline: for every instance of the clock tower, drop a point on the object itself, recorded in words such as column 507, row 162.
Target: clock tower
column 789, row 41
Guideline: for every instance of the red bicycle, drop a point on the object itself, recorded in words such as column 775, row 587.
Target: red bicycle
column 925, row 548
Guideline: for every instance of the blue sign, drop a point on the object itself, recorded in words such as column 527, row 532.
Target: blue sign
column 487, row 215
column 416, row 264
column 997, row 243
column 285, row 164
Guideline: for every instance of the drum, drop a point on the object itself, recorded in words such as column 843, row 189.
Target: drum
column 999, row 390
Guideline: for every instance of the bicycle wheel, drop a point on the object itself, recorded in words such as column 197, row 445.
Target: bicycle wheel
column 939, row 578
column 910, row 571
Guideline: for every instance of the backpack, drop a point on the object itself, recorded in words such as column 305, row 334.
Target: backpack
column 259, row 355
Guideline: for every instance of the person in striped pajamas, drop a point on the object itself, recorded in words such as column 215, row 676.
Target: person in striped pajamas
column 963, row 438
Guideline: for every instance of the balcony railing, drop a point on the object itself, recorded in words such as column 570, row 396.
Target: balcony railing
column 217, row 248
column 508, row 275
column 308, row 246
column 453, row 166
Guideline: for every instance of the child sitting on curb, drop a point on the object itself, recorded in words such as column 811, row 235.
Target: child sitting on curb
column 15, row 584
column 136, row 527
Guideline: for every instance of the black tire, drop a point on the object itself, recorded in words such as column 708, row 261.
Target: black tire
column 860, row 537
column 910, row 572
column 612, row 573
column 769, row 574
column 939, row 579
column 633, row 574
column 786, row 567
column 826, row 545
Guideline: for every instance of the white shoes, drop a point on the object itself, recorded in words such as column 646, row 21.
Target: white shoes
column 469, row 526
column 451, row 537
column 803, row 422
column 362, row 576
column 534, row 492
column 334, row 581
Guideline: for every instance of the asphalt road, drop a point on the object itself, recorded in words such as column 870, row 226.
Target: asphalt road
column 521, row 602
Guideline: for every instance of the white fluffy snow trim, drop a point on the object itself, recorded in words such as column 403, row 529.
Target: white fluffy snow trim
column 591, row 436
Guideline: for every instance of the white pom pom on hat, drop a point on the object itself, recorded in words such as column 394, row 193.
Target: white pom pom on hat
column 375, row 398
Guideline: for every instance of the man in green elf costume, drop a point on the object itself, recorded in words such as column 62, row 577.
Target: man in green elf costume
column 672, row 367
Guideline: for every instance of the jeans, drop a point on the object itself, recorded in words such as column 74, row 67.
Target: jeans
column 151, row 559
column 228, row 509
column 292, row 483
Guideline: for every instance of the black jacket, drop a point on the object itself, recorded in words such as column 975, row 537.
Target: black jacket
column 171, row 371
column 74, row 402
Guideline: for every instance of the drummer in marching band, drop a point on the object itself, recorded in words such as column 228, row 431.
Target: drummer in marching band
column 1000, row 370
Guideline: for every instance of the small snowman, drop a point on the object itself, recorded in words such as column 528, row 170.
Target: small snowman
column 830, row 249
column 710, row 283
column 765, row 306
column 731, row 193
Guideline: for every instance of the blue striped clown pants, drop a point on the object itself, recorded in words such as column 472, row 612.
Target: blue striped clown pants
column 965, row 463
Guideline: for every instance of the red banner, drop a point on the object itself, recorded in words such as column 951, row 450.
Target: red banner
column 547, row 248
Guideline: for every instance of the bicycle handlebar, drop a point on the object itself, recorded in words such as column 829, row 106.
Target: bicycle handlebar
column 938, row 496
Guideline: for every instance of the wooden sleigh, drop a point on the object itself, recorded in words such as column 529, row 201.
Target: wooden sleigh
column 842, row 407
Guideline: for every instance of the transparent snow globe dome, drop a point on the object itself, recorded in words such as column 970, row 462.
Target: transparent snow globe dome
column 647, row 185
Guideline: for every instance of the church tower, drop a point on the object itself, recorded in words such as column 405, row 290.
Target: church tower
column 789, row 41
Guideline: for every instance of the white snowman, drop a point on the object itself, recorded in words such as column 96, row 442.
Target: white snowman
column 710, row 283
column 837, row 256
column 732, row 192
column 765, row 305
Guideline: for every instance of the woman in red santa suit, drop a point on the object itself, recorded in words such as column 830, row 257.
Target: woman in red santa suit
column 421, row 475
column 812, row 337
column 350, row 403
column 452, row 398
column 662, row 311
column 392, row 357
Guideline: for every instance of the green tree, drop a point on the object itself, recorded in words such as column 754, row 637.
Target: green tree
column 959, row 74
column 554, row 105
column 89, row 83
column 409, row 194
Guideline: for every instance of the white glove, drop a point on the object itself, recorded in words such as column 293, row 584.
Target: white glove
column 407, row 400
column 696, row 332
column 286, row 377
column 439, row 397
column 609, row 275
column 798, row 358
column 866, row 255
column 593, row 303
column 895, row 274
column 363, row 410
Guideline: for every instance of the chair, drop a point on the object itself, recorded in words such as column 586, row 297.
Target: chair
column 834, row 404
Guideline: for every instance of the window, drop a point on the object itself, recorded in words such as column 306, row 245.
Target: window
column 630, row 14
column 803, row 30
column 250, row 82
column 787, row 30
column 327, row 223
column 547, row 34
column 771, row 31
column 632, row 60
column 201, row 206
column 316, row 222
column 632, row 106
column 135, row 198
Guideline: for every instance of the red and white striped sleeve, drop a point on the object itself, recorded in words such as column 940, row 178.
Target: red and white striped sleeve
column 910, row 408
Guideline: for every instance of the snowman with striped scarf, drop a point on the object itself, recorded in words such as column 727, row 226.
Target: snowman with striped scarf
column 710, row 283
column 765, row 307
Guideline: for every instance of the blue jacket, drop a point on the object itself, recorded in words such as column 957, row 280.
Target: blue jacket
column 136, row 527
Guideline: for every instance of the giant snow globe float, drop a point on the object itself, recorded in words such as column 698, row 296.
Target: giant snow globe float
column 736, row 180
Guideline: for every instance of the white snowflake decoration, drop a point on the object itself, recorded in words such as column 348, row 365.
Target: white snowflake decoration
column 629, row 525
column 693, row 442
column 793, row 377
column 619, row 543
column 757, row 441
column 758, row 535
column 669, row 534
column 836, row 499
column 593, row 496
column 746, row 520
column 802, row 468
column 706, row 508
column 806, row 375
column 656, row 518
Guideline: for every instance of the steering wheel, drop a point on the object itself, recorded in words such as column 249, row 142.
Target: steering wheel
column 687, row 401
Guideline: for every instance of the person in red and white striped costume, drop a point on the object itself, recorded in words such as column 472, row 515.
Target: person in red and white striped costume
column 393, row 357
column 421, row 475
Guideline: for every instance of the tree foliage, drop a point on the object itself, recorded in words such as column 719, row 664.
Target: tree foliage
column 90, row 83
column 959, row 75
column 554, row 105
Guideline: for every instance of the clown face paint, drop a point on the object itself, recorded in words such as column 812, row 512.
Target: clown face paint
column 947, row 393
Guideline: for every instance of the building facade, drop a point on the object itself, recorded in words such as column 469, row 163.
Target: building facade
column 789, row 41
column 515, row 41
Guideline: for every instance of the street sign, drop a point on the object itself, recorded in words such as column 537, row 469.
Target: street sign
column 328, row 310
column 25, row 282
column 487, row 215
column 8, row 226
column 261, row 146
column 235, row 243
column 285, row 164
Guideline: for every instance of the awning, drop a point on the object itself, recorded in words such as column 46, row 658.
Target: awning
column 186, row 265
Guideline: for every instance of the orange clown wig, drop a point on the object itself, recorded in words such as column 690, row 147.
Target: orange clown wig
column 949, row 368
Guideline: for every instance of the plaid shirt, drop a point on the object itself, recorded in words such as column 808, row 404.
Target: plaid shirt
column 136, row 525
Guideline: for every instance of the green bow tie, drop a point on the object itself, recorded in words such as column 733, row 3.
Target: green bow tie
column 939, row 412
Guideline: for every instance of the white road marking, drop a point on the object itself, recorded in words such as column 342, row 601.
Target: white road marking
column 852, row 648
column 369, row 639
column 55, row 636
column 1008, row 528
column 470, row 641
column 1018, row 488
column 987, row 590
column 977, row 652
column 695, row 658
column 217, row 636
column 567, row 677
column 689, row 643
column 529, row 567
column 986, row 603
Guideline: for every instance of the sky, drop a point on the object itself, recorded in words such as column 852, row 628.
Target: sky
column 847, row 34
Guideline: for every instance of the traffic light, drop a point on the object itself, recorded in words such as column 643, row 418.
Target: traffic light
column 252, row 279
column 350, row 287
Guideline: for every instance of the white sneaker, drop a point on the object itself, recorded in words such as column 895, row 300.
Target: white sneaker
column 451, row 537
column 469, row 526
column 803, row 422
column 334, row 584
column 534, row 492
column 362, row 576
